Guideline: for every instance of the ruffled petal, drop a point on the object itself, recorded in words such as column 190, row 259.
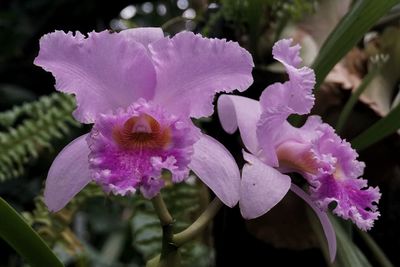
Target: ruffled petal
column 130, row 149
column 144, row 35
column 336, row 176
column 191, row 69
column 261, row 188
column 355, row 200
column 68, row 174
column 216, row 167
column 279, row 100
column 324, row 219
column 242, row 112
column 104, row 71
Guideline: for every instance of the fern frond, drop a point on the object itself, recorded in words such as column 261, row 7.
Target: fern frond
column 44, row 121
column 35, row 109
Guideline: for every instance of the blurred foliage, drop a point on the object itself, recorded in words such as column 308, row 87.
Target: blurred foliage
column 29, row 130
column 54, row 228
column 134, row 220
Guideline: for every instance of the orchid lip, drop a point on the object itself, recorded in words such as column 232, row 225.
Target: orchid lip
column 296, row 157
column 140, row 132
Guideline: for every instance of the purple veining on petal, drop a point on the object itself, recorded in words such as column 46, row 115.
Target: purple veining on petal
column 130, row 149
column 331, row 167
column 355, row 200
column 338, row 179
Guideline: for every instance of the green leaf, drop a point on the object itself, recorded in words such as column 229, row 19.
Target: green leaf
column 348, row 254
column 363, row 15
column 16, row 232
column 381, row 129
column 376, row 251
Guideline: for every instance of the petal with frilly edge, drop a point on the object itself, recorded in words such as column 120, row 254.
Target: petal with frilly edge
column 216, row 167
column 279, row 100
column 261, row 188
column 191, row 69
column 297, row 92
column 105, row 71
column 68, row 174
column 144, row 35
column 324, row 219
column 242, row 112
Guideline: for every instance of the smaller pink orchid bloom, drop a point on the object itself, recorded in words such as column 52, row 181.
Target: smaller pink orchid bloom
column 140, row 90
column 327, row 162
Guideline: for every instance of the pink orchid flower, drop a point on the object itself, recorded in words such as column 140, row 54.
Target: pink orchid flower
column 140, row 90
column 327, row 162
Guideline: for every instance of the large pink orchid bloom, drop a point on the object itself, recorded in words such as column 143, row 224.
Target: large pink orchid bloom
column 140, row 90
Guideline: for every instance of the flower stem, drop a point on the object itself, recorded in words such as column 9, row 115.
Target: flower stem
column 161, row 210
column 169, row 252
column 170, row 256
column 199, row 225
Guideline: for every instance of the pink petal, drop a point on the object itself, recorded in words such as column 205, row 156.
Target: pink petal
column 216, row 167
column 145, row 35
column 105, row 70
column 191, row 69
column 68, row 174
column 261, row 188
column 295, row 94
column 279, row 100
column 324, row 219
column 242, row 112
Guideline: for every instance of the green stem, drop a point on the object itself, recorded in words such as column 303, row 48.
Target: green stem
column 169, row 252
column 199, row 225
column 375, row 249
column 344, row 115
column 161, row 210
column 16, row 232
column 170, row 256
